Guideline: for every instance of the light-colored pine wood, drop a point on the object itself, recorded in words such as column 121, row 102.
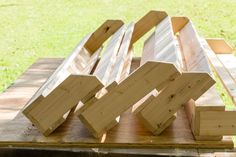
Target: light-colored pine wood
column 229, row 62
column 112, row 66
column 218, row 123
column 148, row 52
column 178, row 23
column 122, row 55
column 55, row 106
column 146, row 23
column 166, row 49
column 130, row 133
column 108, row 59
column 51, row 104
column 108, row 28
column 195, row 60
column 158, row 113
column 202, row 124
column 219, row 46
column 224, row 75
column 193, row 51
column 115, row 75
column 125, row 94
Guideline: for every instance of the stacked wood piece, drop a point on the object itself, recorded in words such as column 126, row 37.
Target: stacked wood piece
column 207, row 115
column 157, row 112
column 174, row 73
column 69, row 84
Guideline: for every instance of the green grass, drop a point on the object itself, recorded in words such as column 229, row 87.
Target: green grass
column 30, row 29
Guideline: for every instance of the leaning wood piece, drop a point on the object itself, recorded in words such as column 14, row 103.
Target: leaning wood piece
column 157, row 113
column 100, row 115
column 225, row 67
column 219, row 46
column 229, row 62
column 121, row 56
column 146, row 23
column 50, row 106
column 195, row 60
column 108, row 59
column 217, row 122
column 115, row 74
column 106, row 66
column 205, row 127
column 19, row 132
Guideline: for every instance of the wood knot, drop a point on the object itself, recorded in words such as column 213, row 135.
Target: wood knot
column 159, row 125
column 107, row 29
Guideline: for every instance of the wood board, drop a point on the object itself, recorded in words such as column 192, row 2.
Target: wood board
column 17, row 131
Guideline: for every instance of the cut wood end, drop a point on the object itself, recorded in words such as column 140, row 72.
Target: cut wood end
column 101, row 34
column 146, row 23
column 219, row 46
column 178, row 23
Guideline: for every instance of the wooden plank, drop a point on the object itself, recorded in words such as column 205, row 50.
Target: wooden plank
column 99, row 109
column 121, row 56
column 54, row 99
column 126, row 94
column 107, row 61
column 193, row 51
column 130, row 133
column 115, row 68
column 146, row 23
column 225, row 77
column 229, row 62
column 54, row 106
column 127, row 65
column 218, row 123
column 102, row 34
column 219, row 46
column 166, row 49
column 159, row 45
column 196, row 60
column 157, row 114
column 178, row 23
column 148, row 52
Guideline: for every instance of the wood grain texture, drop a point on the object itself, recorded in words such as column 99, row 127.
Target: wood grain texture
column 102, row 34
column 195, row 59
column 121, row 55
column 146, row 23
column 49, row 107
column 159, row 112
column 224, row 75
column 126, row 94
column 17, row 131
column 178, row 23
column 57, row 95
column 98, row 128
column 108, row 59
column 165, row 48
column 229, row 62
column 218, row 123
column 219, row 46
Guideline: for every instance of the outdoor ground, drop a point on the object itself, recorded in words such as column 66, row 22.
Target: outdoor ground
column 30, row 29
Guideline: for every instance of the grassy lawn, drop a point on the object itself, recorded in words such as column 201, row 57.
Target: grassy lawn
column 31, row 29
